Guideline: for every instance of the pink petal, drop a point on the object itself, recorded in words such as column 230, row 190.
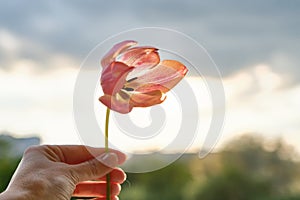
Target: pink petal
column 150, row 87
column 113, row 77
column 147, row 95
column 140, row 56
column 147, row 99
column 142, row 62
column 118, row 105
column 167, row 74
column 115, row 51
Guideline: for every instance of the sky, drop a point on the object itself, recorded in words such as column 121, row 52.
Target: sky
column 255, row 45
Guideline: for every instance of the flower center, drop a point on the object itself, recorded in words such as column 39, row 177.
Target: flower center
column 132, row 79
column 128, row 89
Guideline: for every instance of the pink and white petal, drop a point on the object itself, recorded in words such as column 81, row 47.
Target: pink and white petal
column 150, row 87
column 119, row 105
column 167, row 74
column 140, row 56
column 143, row 64
column 147, row 99
column 115, row 51
column 113, row 77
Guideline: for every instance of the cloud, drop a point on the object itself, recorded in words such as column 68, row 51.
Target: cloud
column 38, row 103
column 259, row 102
column 8, row 42
column 21, row 52
column 237, row 34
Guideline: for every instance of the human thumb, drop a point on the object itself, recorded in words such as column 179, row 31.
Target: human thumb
column 98, row 167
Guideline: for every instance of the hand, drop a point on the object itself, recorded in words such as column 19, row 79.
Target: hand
column 60, row 171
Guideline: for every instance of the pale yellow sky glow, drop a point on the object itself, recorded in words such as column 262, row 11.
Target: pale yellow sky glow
column 258, row 101
column 41, row 104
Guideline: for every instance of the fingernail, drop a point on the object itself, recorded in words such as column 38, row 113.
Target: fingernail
column 109, row 159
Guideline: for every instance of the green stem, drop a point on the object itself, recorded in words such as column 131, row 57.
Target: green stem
column 106, row 128
column 106, row 149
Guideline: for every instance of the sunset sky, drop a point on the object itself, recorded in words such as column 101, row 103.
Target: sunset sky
column 255, row 45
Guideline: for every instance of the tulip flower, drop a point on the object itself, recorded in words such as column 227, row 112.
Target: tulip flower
column 135, row 77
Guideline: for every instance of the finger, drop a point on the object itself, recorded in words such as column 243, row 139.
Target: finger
column 74, row 154
column 117, row 175
column 94, row 168
column 95, row 189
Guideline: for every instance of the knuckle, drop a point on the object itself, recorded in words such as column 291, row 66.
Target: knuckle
column 94, row 168
column 73, row 175
column 31, row 149
column 63, row 186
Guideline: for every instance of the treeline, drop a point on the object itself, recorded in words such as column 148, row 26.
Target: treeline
column 248, row 168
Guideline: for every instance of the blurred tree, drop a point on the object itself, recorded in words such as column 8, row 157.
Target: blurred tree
column 233, row 184
column 251, row 171
column 167, row 183
column 251, row 155
column 248, row 168
column 7, row 164
column 11, row 151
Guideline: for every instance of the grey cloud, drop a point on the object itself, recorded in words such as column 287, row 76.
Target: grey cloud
column 236, row 33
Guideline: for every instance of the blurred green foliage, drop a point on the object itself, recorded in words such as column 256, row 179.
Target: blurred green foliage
column 248, row 168
column 8, row 164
